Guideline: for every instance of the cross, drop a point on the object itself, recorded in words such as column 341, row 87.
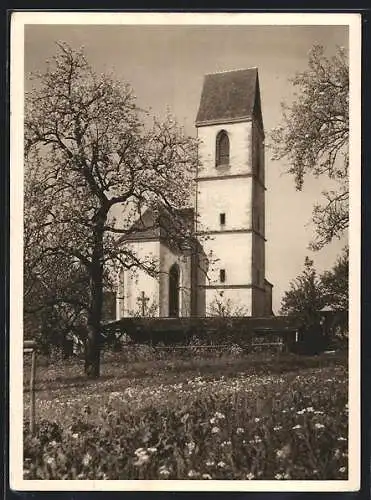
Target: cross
column 143, row 299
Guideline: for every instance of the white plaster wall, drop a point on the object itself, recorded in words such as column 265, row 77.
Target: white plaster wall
column 133, row 282
column 167, row 259
column 234, row 253
column 239, row 147
column 240, row 299
column 230, row 196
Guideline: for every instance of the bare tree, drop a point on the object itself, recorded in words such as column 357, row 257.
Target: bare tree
column 96, row 167
column 314, row 138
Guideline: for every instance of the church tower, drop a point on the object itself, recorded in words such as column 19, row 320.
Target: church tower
column 230, row 200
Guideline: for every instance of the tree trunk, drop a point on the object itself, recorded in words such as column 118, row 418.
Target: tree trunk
column 93, row 341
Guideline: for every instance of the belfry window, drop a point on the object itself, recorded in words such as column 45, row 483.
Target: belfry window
column 222, row 149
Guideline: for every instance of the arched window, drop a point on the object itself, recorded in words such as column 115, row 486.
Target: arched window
column 222, row 148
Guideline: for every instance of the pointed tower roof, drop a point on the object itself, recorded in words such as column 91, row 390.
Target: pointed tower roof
column 230, row 96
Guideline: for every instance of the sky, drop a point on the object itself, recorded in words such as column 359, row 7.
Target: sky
column 166, row 64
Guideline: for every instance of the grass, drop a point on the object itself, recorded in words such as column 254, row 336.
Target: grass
column 228, row 417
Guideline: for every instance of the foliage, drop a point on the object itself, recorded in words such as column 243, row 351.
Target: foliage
column 224, row 307
column 314, row 137
column 305, row 298
column 95, row 168
column 336, row 283
column 243, row 426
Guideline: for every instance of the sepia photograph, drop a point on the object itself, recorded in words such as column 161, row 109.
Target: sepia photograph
column 185, row 264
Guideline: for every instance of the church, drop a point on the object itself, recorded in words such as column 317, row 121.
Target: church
column 225, row 258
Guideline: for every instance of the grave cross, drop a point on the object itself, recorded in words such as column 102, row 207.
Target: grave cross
column 143, row 299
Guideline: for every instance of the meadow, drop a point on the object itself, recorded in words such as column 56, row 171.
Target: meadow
column 190, row 415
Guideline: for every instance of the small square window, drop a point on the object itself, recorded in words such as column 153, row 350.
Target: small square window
column 222, row 219
column 222, row 275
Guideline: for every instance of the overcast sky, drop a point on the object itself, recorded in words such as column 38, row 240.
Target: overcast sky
column 166, row 64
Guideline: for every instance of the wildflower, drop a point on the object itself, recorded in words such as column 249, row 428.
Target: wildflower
column 50, row 461
column 221, row 464
column 206, row 476
column 341, row 438
column 75, row 435
column 53, row 443
column 342, row 469
column 114, row 395
column 210, row 463
column 143, row 458
column 163, row 471
column 337, row 453
column 239, row 430
column 87, row 459
column 297, row 426
column 215, row 430
column 250, row 476
column 317, row 425
column 278, row 476
column 301, row 412
column 277, row 428
column 152, row 449
column 212, row 420
column 193, row 473
column 257, row 419
column 219, row 415
column 191, row 446
column 310, row 409
column 140, row 451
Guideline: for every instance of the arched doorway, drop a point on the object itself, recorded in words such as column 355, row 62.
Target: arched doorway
column 174, row 291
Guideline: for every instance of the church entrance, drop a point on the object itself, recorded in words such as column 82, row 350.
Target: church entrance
column 174, row 291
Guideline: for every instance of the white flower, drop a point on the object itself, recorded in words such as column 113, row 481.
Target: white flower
column 226, row 443
column 219, row 415
column 301, row 412
column 310, row 409
column 75, row 435
column 206, row 476
column 221, row 464
column 210, row 463
column 297, row 426
column 143, row 458
column 278, row 476
column 342, row 469
column 50, row 461
column 212, row 420
column 277, row 428
column 191, row 446
column 215, row 430
column 140, row 451
column 193, row 473
column 87, row 459
column 317, row 425
column 250, row 476
column 239, row 430
column 341, row 438
column 163, row 471
column 53, row 443
column 152, row 449
column 257, row 419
